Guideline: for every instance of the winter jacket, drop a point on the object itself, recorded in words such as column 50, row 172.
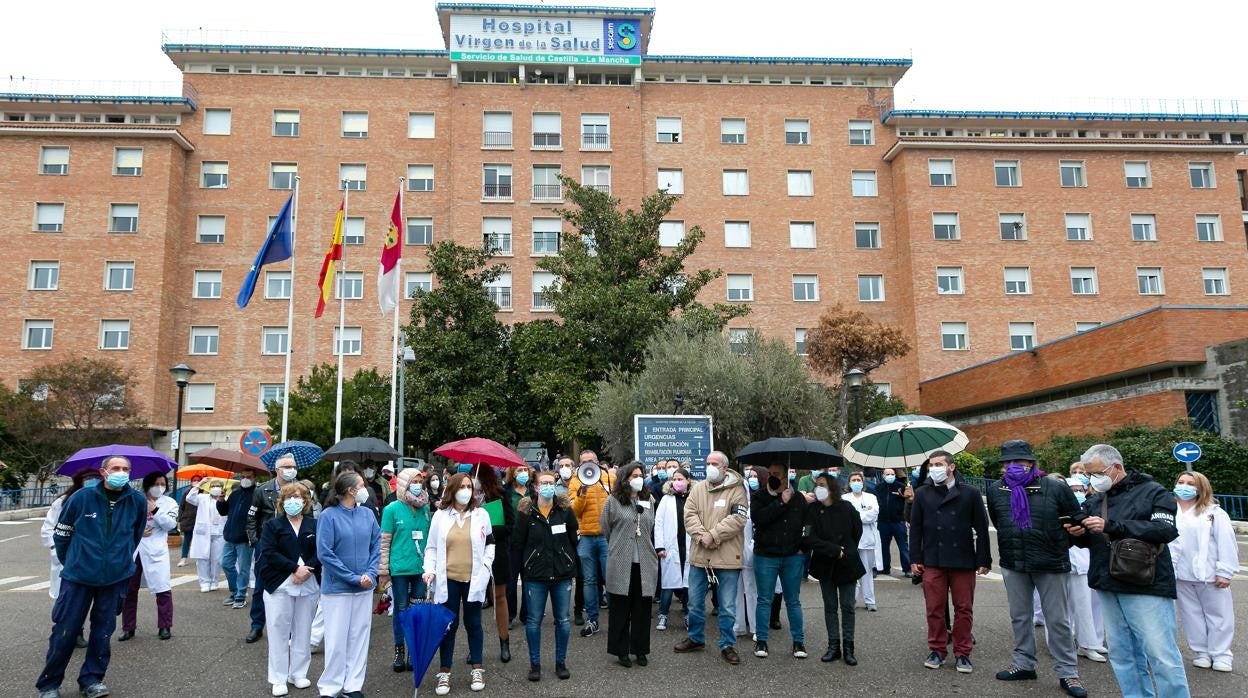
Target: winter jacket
column 1138, row 508
column 282, row 550
column 263, row 507
column 235, row 509
column 629, row 529
column 777, row 526
column 547, row 544
column 1044, row 546
column 501, row 567
column 949, row 528
column 892, row 499
column 95, row 538
column 722, row 511
column 588, row 507
column 831, row 533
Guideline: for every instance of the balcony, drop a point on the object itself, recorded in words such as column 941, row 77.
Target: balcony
column 595, row 141
column 604, row 188
column 547, row 141
column 548, row 192
column 497, row 192
column 500, row 297
column 496, row 139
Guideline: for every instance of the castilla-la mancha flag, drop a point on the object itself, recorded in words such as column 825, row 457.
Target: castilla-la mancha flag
column 333, row 254
column 388, row 276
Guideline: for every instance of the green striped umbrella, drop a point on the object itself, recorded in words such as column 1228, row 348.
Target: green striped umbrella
column 902, row 441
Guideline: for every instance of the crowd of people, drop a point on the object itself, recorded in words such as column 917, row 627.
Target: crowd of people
column 1100, row 558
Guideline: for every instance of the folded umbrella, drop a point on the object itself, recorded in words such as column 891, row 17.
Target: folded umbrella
column 225, row 459
column 361, row 449
column 143, row 460
column 424, row 624
column 793, row 451
column 481, row 450
column 903, row 441
column 306, row 453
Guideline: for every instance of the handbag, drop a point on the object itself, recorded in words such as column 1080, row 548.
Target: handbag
column 1131, row 560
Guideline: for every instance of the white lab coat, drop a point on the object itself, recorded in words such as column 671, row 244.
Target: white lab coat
column 1206, row 546
column 482, row 553
column 153, row 550
column 868, row 508
column 674, row 575
column 45, row 535
column 209, row 523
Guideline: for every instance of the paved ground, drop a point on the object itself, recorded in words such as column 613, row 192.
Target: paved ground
column 207, row 655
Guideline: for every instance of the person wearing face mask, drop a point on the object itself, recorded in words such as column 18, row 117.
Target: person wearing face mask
column 890, row 491
column 747, row 589
column 89, row 477
column 264, row 508
column 587, row 504
column 236, row 557
column 832, row 530
column 1027, row 510
column 545, row 534
column 715, row 516
column 377, row 482
column 404, row 535
column 289, row 574
column 518, row 483
column 627, row 521
column 490, row 489
column 1139, row 617
column 186, row 518
column 1079, row 471
column 868, row 508
column 96, row 538
column 564, row 470
column 458, row 564
column 1206, row 557
column 152, row 561
column 348, row 546
column 657, row 479
column 776, row 512
column 209, row 541
column 1082, row 606
column 671, row 544
column 949, row 546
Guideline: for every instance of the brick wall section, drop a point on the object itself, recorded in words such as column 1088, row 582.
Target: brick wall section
column 1156, row 409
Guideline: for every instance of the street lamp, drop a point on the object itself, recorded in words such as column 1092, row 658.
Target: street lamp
column 182, row 377
column 854, row 379
column 408, row 356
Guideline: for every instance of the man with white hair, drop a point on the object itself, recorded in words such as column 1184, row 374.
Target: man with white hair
column 1140, row 625
column 264, row 508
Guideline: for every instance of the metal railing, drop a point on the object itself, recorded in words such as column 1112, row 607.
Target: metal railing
column 29, row 498
column 497, row 191
column 496, row 139
column 595, row 141
column 1235, row 505
column 547, row 191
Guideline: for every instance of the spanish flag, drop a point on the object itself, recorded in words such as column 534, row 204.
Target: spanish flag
column 388, row 272
column 332, row 255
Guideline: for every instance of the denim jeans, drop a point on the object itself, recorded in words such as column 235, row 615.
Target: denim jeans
column 236, row 559
column 593, row 553
column 726, row 592
column 405, row 589
column 535, row 594
column 790, row 570
column 1141, row 632
column 457, row 595
column 665, row 599
column 890, row 531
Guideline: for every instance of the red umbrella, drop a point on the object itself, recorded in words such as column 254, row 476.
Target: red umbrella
column 234, row 461
column 479, row 450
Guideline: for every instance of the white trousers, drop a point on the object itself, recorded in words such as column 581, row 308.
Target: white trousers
column 54, row 577
column 1208, row 619
column 348, row 625
column 210, row 570
column 865, row 583
column 1084, row 609
column 288, row 627
column 318, row 626
column 747, row 601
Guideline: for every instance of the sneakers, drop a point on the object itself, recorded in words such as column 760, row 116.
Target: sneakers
column 871, row 607
column 964, row 664
column 730, row 655
column 96, row 690
column 280, row 689
column 799, row 650
column 204, row 588
column 50, row 693
column 760, row 649
column 239, row 603
column 301, row 682
column 476, row 681
column 444, row 683
column 1074, row 687
column 1016, row 674
column 535, row 672
column 935, row 660
column 229, row 601
column 688, row 645
column 182, row 562
column 1221, row 665
column 1202, row 661
column 591, row 627
column 561, row 670
column 662, row 625
column 1092, row 654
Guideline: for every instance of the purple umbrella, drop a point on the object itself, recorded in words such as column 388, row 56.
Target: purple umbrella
column 143, row 460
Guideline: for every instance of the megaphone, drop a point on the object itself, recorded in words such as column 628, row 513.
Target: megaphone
column 589, row 473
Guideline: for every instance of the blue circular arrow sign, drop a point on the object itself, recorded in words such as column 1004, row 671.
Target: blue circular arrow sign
column 1186, row 452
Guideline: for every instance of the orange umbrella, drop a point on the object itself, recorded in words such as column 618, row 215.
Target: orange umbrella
column 187, row 472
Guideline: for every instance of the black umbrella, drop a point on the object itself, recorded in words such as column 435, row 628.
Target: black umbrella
column 360, row 449
column 792, row 451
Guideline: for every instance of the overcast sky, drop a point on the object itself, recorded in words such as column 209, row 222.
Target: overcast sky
column 973, row 54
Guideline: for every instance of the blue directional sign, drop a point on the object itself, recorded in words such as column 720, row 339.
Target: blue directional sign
column 685, row 437
column 1186, row 452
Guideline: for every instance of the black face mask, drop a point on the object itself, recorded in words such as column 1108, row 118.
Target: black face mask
column 775, row 483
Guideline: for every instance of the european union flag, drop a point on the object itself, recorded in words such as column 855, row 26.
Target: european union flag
column 276, row 247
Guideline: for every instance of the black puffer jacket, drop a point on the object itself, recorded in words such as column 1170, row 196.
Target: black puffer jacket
column 548, row 553
column 1044, row 546
column 1138, row 508
column 777, row 526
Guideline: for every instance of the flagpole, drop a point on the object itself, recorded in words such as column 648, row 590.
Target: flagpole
column 290, row 310
column 342, row 313
column 394, row 333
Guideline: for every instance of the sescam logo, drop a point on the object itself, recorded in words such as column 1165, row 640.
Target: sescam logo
column 619, row 36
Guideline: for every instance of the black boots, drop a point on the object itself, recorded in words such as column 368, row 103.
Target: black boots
column 833, row 653
column 400, row 659
column 504, row 650
column 850, row 659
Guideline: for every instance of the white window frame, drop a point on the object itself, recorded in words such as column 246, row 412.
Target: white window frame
column 414, row 280
column 671, row 233
column 120, row 328
column 496, row 235
column 497, row 129
column 201, row 398
column 1025, row 331
column 595, row 131
column 128, row 162
column 350, row 282
column 119, row 266
column 277, row 285
column 1208, row 227
column 119, row 220
column 286, row 120
column 737, row 234
column 545, row 227
column 597, row 177
column 1079, row 177
column 1207, row 178
column 54, row 160
column 732, row 131
column 1084, row 281
column 46, row 330
column 52, row 276
column 1217, row 279
column 668, row 129
column 1017, row 281
column 741, row 286
column 279, row 397
column 1138, row 174
column 353, row 176
column 797, row 131
column 1086, row 326
column 282, row 175
column 211, row 336
column 420, row 178
column 418, row 223
column 1145, row 275
column 1149, row 229
column 49, row 217
column 502, row 187
column 352, row 338
column 802, row 235
column 937, row 176
column 799, row 341
column 945, row 219
column 960, row 332
column 353, row 124
column 957, row 283
column 208, row 227
column 544, row 125
column 207, row 284
column 864, row 183
column 805, row 288
column 540, row 281
column 800, row 182
column 214, row 174
column 671, row 179
column 861, row 132
column 1012, row 168
column 217, row 122
column 278, row 333
column 421, row 125
column 1081, row 222
column 874, row 288
column 873, row 235
column 736, row 182
column 500, row 291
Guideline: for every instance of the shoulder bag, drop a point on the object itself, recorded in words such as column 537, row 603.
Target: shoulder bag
column 1131, row 560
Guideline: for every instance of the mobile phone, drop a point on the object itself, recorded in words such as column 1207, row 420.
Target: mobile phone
column 1073, row 519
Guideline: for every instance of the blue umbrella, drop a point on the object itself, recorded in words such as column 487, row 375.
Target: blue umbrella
column 424, row 625
column 306, row 454
column 143, row 460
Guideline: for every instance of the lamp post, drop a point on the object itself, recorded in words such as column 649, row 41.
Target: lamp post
column 854, row 378
column 182, row 377
column 408, row 356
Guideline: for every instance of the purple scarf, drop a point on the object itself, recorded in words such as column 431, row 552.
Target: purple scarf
column 1017, row 479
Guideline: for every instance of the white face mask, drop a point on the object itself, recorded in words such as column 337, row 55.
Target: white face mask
column 939, row 473
column 214, row 491
column 1102, row 482
column 369, row 473
column 636, row 483
column 463, row 497
column 565, row 472
column 821, row 493
column 362, row 495
column 155, row 491
column 288, row 474
column 246, row 482
column 713, row 474
column 433, row 484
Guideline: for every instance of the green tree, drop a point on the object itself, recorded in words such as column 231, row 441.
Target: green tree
column 365, row 406
column 461, row 383
column 765, row 390
column 617, row 288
